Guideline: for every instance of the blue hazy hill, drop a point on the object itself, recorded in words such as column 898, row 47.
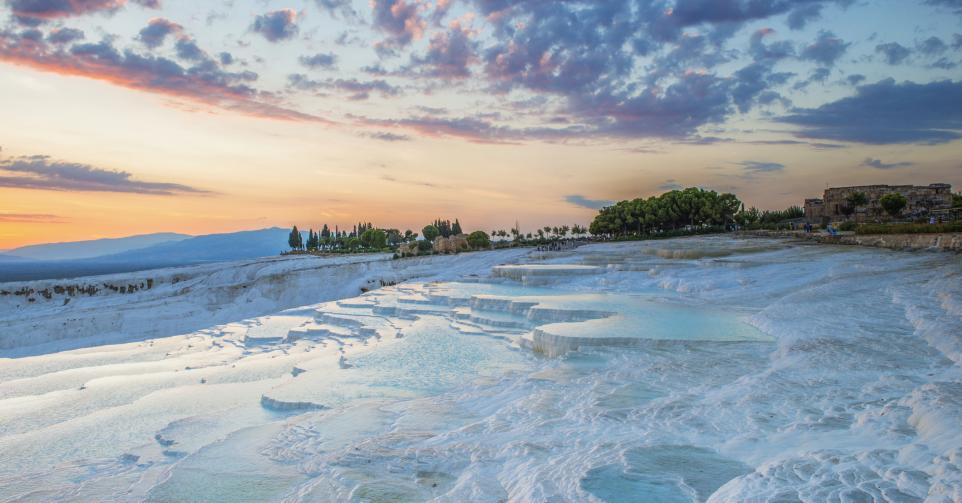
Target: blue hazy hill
column 78, row 250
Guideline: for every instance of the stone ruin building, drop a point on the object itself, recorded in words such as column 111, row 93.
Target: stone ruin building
column 922, row 199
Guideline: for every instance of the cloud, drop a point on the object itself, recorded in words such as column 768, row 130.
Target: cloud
column 187, row 49
column 704, row 140
column 46, row 10
column 775, row 51
column 894, row 52
column 40, row 172
column 584, row 202
column 31, row 218
column 321, row 60
column 276, row 25
column 400, row 20
column 357, row 90
column 819, row 75
column 417, row 183
column 473, row 129
column 826, row 49
column 878, row 164
column 53, row 9
column 816, row 146
column 887, row 113
column 855, row 79
column 756, row 167
column 342, row 7
column 449, row 53
column 803, row 15
column 65, row 35
column 933, row 46
column 156, row 31
column 638, row 69
column 693, row 12
column 670, row 184
column 386, row 136
column 956, row 5
column 204, row 82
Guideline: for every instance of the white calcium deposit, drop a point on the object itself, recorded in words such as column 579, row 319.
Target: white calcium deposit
column 701, row 369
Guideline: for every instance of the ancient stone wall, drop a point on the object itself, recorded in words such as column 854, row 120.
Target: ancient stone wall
column 453, row 244
column 408, row 249
column 921, row 200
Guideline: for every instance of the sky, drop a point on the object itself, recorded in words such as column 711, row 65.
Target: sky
column 126, row 117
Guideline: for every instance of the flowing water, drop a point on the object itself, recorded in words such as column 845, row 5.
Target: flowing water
column 706, row 369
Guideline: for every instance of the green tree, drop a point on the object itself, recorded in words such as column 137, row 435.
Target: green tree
column 294, row 239
column 893, row 203
column 957, row 200
column 430, row 232
column 479, row 240
column 394, row 237
column 856, row 199
column 456, row 228
column 444, row 227
column 374, row 239
column 693, row 207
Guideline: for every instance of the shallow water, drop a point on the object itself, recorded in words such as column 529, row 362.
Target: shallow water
column 705, row 369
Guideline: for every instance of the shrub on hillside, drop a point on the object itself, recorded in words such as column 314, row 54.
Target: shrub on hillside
column 424, row 246
column 479, row 240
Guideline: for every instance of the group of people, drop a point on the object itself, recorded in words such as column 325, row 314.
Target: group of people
column 567, row 244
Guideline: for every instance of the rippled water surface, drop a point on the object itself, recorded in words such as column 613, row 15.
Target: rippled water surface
column 708, row 369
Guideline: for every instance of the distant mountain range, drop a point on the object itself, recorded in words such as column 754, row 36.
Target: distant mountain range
column 105, row 256
column 77, row 250
column 209, row 248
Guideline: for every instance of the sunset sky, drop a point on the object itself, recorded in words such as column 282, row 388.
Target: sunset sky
column 129, row 117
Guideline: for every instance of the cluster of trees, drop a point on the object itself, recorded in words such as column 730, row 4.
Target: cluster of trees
column 892, row 203
column 691, row 207
column 443, row 228
column 362, row 237
column 544, row 233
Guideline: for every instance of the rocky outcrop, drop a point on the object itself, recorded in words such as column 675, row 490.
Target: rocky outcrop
column 453, row 244
column 935, row 242
column 408, row 249
column 945, row 241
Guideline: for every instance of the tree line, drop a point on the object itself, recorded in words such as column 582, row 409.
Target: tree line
column 677, row 209
column 365, row 237
column 362, row 237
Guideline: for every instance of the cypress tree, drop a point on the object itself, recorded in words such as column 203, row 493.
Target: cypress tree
column 294, row 238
